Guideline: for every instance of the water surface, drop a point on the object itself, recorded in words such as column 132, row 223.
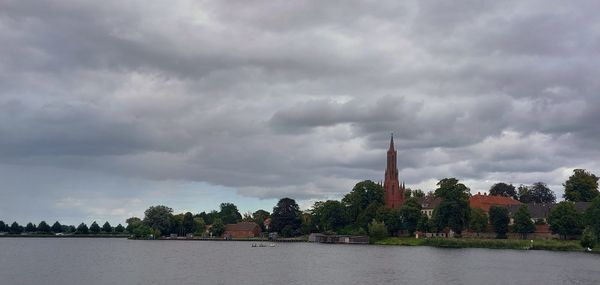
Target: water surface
column 31, row 261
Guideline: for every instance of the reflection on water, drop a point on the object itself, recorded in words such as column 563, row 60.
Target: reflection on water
column 31, row 261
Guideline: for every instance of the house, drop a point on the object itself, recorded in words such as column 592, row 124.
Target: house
column 485, row 201
column 428, row 204
column 541, row 211
column 348, row 239
column 242, row 230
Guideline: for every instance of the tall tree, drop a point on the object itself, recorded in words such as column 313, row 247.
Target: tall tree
column 82, row 229
column 592, row 218
column 107, row 228
column 410, row 213
column 260, row 216
column 285, row 213
column 3, row 227
column 330, row 215
column 392, row 218
column 229, row 213
column 30, row 228
column 188, row 223
column 524, row 195
column 564, row 220
column 132, row 223
column 453, row 212
column 582, row 186
column 217, row 227
column 363, row 195
column 159, row 218
column 199, row 226
column 119, row 229
column 57, row 227
column 499, row 220
column 523, row 223
column 44, row 227
column 15, row 228
column 95, row 228
column 540, row 193
column 503, row 189
column 478, row 220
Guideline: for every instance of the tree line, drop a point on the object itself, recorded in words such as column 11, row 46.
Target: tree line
column 44, row 228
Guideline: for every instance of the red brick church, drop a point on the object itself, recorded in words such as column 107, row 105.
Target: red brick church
column 394, row 191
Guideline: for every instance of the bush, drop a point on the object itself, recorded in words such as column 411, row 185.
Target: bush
column 588, row 239
column 378, row 230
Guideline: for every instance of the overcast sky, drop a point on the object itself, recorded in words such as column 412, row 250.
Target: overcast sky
column 108, row 107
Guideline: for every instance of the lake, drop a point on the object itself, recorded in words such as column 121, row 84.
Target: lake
column 90, row 261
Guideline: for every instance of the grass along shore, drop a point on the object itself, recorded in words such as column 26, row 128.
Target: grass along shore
column 555, row 245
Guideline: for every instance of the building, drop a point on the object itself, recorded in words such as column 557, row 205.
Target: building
column 428, row 204
column 242, row 230
column 485, row 201
column 394, row 191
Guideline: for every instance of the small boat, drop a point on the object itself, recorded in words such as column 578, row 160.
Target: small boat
column 262, row 245
column 253, row 245
column 272, row 245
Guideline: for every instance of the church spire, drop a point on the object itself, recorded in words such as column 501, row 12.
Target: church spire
column 393, row 190
column 392, row 141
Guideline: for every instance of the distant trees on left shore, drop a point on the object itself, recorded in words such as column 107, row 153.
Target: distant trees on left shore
column 43, row 228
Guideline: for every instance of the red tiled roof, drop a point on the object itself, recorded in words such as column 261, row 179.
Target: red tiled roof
column 484, row 202
column 245, row 226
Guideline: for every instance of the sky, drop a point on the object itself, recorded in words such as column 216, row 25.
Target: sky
column 109, row 107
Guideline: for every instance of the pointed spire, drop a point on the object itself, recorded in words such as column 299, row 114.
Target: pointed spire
column 392, row 141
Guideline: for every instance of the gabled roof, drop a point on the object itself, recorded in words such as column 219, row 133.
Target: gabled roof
column 429, row 202
column 244, row 226
column 485, row 202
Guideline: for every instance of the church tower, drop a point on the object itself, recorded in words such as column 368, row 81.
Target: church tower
column 394, row 192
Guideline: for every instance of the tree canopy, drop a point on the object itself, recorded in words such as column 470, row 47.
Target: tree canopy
column 564, row 220
column 582, row 186
column 365, row 195
column 107, row 228
column 478, row 220
column 523, row 223
column 499, row 220
column 159, row 218
column 229, row 213
column 329, row 215
column 285, row 213
column 95, row 228
column 536, row 193
column 453, row 212
column 503, row 189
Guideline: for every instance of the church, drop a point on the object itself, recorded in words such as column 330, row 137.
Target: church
column 394, row 191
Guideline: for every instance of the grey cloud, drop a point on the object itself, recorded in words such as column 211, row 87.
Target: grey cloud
column 294, row 98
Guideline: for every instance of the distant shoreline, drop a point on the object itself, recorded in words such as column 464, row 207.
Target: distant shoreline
column 64, row 236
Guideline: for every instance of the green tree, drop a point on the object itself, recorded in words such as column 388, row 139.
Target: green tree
column 259, row 217
column 523, row 223
column 132, row 223
column 3, row 227
column 592, row 218
column 229, row 213
column 453, row 212
column 503, row 189
column 564, row 220
column 141, row 231
column 57, row 227
column 499, row 220
column 44, row 227
column 107, row 228
column 392, row 218
column 159, row 218
column 119, row 229
column 365, row 194
column 410, row 213
column 218, row 228
column 285, row 213
column 378, row 230
column 82, row 229
column 478, row 221
column 524, row 194
column 95, row 228
column 188, row 223
column 30, row 228
column 423, row 224
column 540, row 193
column 199, row 226
column 15, row 228
column 368, row 214
column 176, row 225
column 582, row 186
column 330, row 215
column 588, row 238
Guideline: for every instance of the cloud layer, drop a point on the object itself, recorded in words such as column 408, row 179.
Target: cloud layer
column 272, row 99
